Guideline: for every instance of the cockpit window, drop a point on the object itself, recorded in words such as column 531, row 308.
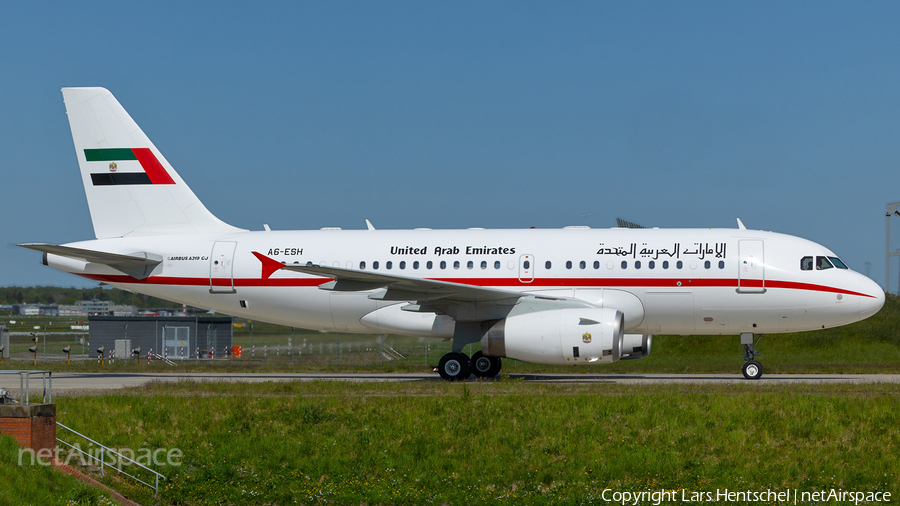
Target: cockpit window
column 823, row 263
column 806, row 264
column 838, row 263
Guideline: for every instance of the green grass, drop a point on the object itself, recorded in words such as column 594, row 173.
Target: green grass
column 869, row 346
column 41, row 485
column 504, row 442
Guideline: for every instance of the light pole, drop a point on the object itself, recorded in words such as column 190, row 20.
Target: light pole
column 891, row 210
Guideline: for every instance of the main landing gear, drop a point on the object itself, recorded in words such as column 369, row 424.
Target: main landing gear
column 752, row 369
column 456, row 366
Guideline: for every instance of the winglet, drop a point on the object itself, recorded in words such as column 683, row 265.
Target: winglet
column 741, row 225
column 269, row 265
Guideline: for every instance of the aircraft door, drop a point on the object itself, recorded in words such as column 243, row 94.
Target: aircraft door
column 526, row 268
column 751, row 267
column 221, row 267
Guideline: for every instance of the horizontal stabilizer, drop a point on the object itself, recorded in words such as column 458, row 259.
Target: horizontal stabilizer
column 138, row 265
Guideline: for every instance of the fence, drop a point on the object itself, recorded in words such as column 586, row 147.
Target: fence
column 25, row 385
column 116, row 459
column 268, row 344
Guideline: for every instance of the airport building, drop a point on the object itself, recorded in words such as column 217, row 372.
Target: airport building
column 176, row 337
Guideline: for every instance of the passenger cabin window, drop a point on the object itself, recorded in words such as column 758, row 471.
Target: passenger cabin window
column 403, row 264
column 568, row 264
column 470, row 264
column 651, row 264
column 484, row 264
column 547, row 265
column 637, row 264
column 362, row 265
column 416, row 264
column 665, row 264
column 806, row 264
column 388, row 265
column 429, row 265
column 706, row 264
column 679, row 264
column 456, row 264
column 375, row 265
column 624, row 264
column 582, row 264
column 823, row 263
column 443, row 264
column 721, row 264
column 838, row 263
column 497, row 264
column 596, row 264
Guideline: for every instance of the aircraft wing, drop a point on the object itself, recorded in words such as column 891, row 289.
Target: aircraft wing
column 138, row 265
column 402, row 287
column 396, row 287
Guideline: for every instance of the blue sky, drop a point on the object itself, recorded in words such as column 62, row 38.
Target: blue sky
column 469, row 114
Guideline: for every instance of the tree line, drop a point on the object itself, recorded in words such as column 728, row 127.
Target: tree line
column 10, row 295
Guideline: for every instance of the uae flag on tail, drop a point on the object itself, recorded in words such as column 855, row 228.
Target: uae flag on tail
column 154, row 172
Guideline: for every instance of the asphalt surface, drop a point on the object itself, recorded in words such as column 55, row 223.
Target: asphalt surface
column 74, row 382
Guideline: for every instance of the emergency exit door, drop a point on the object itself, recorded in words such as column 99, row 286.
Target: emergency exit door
column 526, row 268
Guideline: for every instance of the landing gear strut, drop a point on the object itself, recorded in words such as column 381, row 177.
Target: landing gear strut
column 752, row 369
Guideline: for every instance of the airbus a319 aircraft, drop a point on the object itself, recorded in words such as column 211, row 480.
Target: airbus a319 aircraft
column 575, row 296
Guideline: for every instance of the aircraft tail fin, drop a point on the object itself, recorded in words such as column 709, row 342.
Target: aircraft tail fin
column 131, row 189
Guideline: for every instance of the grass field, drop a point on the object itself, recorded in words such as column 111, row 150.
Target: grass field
column 504, row 442
column 869, row 346
column 39, row 485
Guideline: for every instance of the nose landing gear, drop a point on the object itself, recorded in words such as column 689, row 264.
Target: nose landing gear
column 752, row 369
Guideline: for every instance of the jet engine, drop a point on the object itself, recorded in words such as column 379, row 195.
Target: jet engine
column 561, row 336
column 635, row 346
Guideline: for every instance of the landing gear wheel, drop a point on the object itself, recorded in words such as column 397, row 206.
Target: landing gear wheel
column 752, row 370
column 454, row 366
column 481, row 364
column 484, row 366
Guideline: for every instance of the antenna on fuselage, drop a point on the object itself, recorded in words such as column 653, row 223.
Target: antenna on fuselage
column 741, row 225
column 369, row 225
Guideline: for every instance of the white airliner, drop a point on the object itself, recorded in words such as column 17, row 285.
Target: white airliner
column 574, row 296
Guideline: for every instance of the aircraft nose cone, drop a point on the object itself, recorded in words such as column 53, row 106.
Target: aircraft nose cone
column 875, row 300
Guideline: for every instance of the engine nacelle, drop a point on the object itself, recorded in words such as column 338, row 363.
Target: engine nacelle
column 635, row 346
column 561, row 336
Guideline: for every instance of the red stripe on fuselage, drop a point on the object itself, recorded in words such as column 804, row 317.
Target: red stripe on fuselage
column 493, row 282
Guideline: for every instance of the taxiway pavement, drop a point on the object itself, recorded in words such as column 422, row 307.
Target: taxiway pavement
column 74, row 382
